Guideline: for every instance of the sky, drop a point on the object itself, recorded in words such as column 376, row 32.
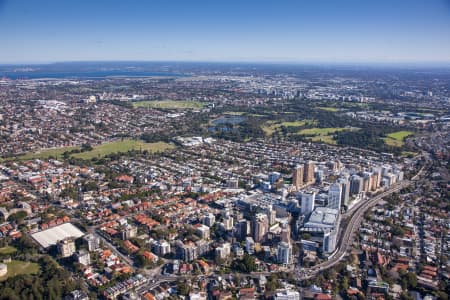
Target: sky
column 359, row 31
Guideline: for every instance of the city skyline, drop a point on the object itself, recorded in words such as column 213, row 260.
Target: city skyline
column 292, row 32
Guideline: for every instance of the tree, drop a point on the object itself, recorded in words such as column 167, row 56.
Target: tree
column 17, row 217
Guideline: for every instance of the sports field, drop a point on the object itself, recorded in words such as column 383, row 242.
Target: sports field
column 123, row 146
column 17, row 267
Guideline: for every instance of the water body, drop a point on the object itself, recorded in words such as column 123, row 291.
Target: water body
column 219, row 124
column 84, row 74
column 229, row 120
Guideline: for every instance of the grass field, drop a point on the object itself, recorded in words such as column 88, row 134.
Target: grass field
column 168, row 104
column 270, row 126
column 17, row 267
column 328, row 139
column 122, row 146
column 397, row 138
column 327, row 108
column 324, row 135
column 321, row 131
column 7, row 250
column 46, row 153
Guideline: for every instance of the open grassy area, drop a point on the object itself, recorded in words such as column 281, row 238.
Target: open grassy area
column 168, row 104
column 328, row 108
column 17, row 267
column 123, row 146
column 397, row 138
column 270, row 126
column 7, row 250
column 46, row 153
column 328, row 139
column 324, row 135
column 409, row 154
column 321, row 131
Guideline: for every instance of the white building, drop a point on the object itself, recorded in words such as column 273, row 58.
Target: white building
column 287, row 295
column 284, row 253
column 83, row 257
column 250, row 245
column 223, row 251
column 92, row 241
column 161, row 248
column 209, row 219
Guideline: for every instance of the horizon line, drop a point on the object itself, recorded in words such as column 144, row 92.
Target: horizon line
column 237, row 61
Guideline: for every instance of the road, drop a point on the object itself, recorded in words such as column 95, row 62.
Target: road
column 125, row 258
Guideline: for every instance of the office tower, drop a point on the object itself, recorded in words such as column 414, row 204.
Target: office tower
column 297, row 177
column 334, row 196
column 356, row 185
column 308, row 172
column 307, row 203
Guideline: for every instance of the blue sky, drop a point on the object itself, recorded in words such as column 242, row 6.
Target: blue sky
column 387, row 31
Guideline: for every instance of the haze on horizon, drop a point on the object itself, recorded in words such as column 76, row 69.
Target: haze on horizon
column 383, row 31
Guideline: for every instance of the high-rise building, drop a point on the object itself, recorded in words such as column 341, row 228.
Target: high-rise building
column 329, row 241
column 271, row 214
column 250, row 245
column 83, row 257
column 93, row 242
column 228, row 222
column 307, row 203
column 297, row 177
column 345, row 196
column 202, row 231
column 334, row 196
column 128, row 232
column 356, row 185
column 66, row 247
column 367, row 184
column 209, row 219
column 243, row 229
column 223, row 251
column 273, row 177
column 284, row 253
column 260, row 227
column 308, row 172
column 286, row 233
column 161, row 248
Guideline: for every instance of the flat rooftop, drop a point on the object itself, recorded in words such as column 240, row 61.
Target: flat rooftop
column 323, row 217
column 49, row 237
